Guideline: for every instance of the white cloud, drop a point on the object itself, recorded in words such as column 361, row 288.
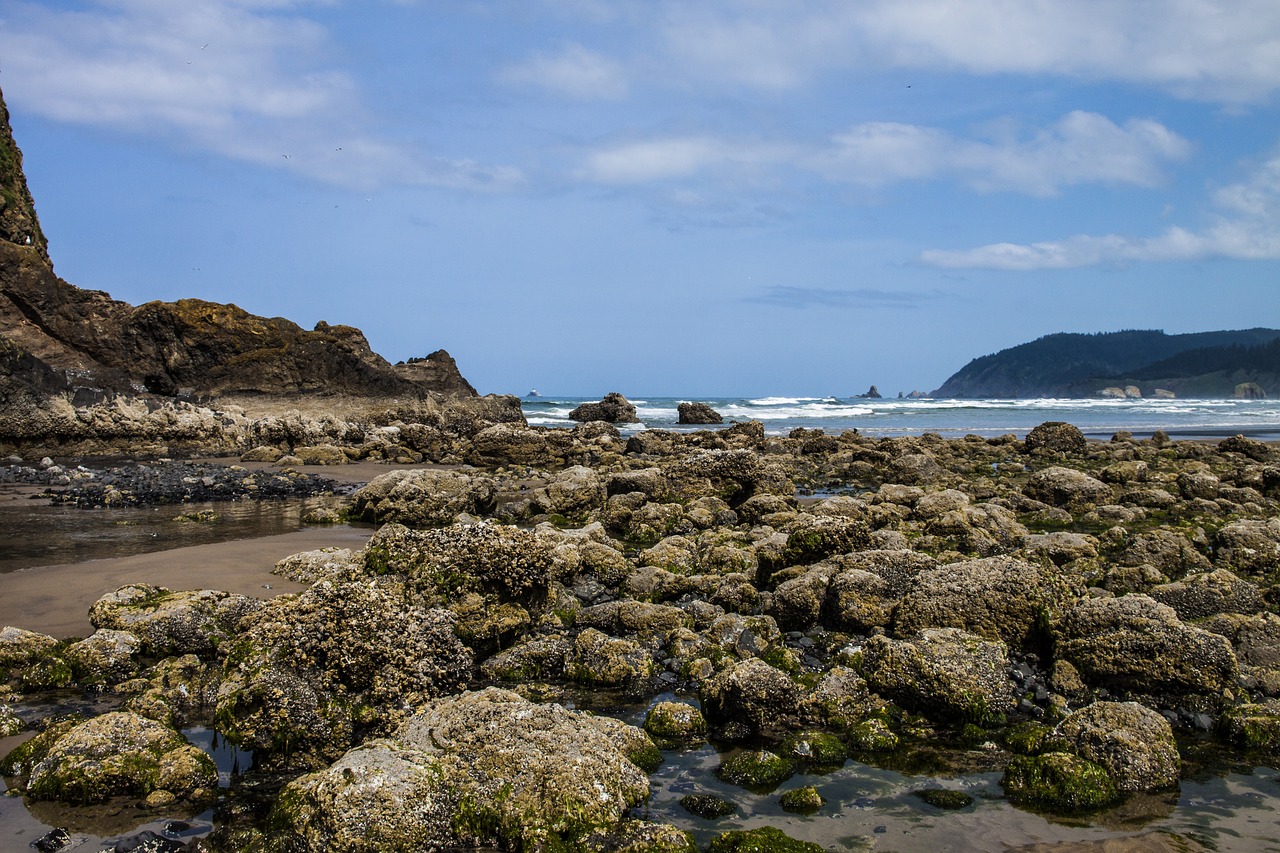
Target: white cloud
column 1219, row 50
column 676, row 158
column 1080, row 148
column 575, row 71
column 1248, row 229
column 246, row 79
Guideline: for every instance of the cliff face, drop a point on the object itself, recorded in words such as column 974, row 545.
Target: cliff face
column 60, row 337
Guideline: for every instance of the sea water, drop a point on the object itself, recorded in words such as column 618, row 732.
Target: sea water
column 1097, row 418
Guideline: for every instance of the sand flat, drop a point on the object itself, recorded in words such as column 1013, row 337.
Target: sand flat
column 56, row 599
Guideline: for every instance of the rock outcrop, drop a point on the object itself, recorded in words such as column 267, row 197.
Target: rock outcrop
column 698, row 413
column 613, row 408
column 63, row 348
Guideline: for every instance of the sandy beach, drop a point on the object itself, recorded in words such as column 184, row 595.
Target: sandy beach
column 55, row 600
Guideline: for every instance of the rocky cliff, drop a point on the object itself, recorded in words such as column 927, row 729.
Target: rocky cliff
column 61, row 345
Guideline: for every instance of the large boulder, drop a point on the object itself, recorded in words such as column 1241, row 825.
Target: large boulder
column 516, row 444
column 173, row 623
column 19, row 647
column 698, row 413
column 574, row 492
column 751, row 693
column 1251, row 546
column 312, row 673
column 476, row 770
column 1209, row 593
column 423, row 497
column 1055, row 437
column 1068, row 488
column 1135, row 644
column 498, row 562
column 732, row 475
column 121, row 754
column 996, row 597
column 614, row 409
column 1132, row 742
column 945, row 673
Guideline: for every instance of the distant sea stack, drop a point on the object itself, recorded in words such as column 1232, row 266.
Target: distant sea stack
column 78, row 347
column 1129, row 364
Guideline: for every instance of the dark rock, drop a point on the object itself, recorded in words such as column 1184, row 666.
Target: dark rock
column 614, row 409
column 707, row 806
column 698, row 413
column 1055, row 437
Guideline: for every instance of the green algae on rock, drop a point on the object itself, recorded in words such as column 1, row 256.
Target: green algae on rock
column 948, row 799
column 1058, row 782
column 805, row 800
column 675, row 720
column 117, row 754
column 756, row 770
column 765, row 839
column 707, row 806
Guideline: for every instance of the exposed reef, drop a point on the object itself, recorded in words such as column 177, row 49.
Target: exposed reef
column 1088, row 611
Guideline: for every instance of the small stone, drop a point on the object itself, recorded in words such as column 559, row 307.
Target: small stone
column 804, row 800
column 707, row 806
column 944, row 798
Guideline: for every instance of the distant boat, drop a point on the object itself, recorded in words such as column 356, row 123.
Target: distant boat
column 533, row 392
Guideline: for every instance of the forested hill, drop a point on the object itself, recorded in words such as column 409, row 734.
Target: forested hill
column 1202, row 364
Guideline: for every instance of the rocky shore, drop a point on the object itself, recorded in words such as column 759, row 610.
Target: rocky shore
column 1082, row 617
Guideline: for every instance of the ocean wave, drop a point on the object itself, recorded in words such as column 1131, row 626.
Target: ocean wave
column 790, row 401
column 812, row 411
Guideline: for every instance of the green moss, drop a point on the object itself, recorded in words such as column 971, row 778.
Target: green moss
column 873, row 736
column 50, row 672
column 815, row 748
column 378, row 559
column 804, row 800
column 766, row 839
column 1058, row 782
column 781, row 658
column 760, row 771
column 648, row 757
column 669, row 720
column 1252, row 727
column 1026, row 738
column 944, row 798
column 477, row 820
column 707, row 806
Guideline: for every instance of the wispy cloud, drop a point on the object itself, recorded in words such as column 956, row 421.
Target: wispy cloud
column 1247, row 227
column 790, row 296
column 644, row 161
column 1080, row 148
column 246, row 79
column 1215, row 50
column 575, row 71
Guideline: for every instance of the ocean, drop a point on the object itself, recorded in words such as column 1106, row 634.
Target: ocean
column 1097, row 418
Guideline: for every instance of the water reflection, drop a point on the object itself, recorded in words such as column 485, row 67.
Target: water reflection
column 34, row 533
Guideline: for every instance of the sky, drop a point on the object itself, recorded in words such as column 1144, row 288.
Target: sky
column 721, row 198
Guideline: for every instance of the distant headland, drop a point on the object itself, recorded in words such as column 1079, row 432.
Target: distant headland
column 1131, row 363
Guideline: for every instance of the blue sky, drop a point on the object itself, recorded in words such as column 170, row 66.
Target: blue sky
column 715, row 198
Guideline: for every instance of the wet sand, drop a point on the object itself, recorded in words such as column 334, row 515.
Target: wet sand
column 55, row 600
